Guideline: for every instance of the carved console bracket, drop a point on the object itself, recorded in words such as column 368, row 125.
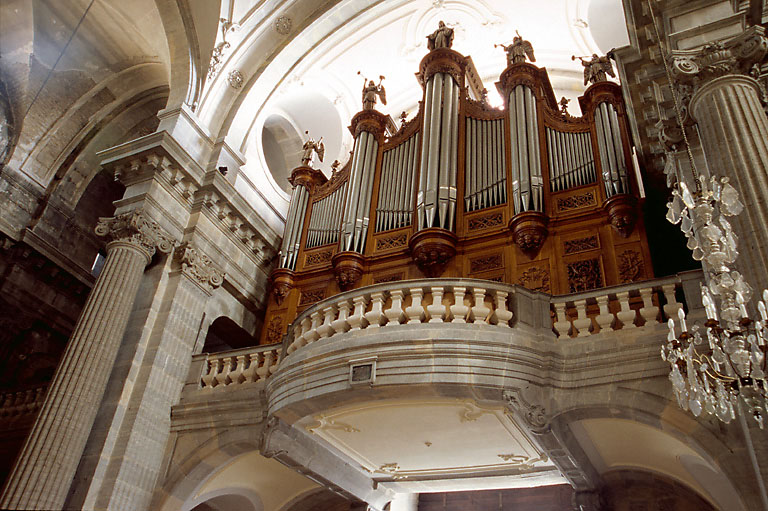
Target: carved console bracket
column 282, row 281
column 432, row 249
column 622, row 213
column 348, row 268
column 529, row 230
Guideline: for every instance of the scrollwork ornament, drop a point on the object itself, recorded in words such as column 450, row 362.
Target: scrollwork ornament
column 136, row 229
column 535, row 416
column 199, row 267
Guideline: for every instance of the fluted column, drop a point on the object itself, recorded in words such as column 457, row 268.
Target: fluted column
column 727, row 105
column 44, row 471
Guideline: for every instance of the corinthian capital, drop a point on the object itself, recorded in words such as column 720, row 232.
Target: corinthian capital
column 136, row 229
column 198, row 267
column 737, row 55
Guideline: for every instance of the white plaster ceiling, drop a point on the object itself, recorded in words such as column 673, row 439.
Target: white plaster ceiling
column 322, row 59
column 435, row 440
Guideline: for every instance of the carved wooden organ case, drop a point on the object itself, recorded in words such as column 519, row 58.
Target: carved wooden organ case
column 525, row 194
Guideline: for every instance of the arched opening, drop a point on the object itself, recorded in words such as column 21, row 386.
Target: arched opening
column 282, row 149
column 227, row 502
column 224, row 335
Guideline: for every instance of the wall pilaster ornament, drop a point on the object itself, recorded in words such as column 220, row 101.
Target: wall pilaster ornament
column 198, row 267
column 737, row 55
column 137, row 230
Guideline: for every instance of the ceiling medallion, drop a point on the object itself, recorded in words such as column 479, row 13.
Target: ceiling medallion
column 283, row 25
column 235, row 79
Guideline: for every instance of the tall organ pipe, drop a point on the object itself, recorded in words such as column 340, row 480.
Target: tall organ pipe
column 436, row 198
column 611, row 151
column 524, row 141
column 355, row 217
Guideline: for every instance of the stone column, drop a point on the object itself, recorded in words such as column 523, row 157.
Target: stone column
column 124, row 456
column 46, row 466
column 727, row 104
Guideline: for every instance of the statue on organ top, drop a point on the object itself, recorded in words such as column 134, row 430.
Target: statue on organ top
column 310, row 146
column 518, row 50
column 440, row 38
column 371, row 91
column 596, row 68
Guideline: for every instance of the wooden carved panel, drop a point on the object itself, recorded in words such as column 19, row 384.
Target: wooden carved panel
column 275, row 330
column 486, row 221
column 391, row 242
column 579, row 201
column 584, row 275
column 577, row 245
column 392, row 277
column 318, row 258
column 631, row 266
column 311, row 296
column 486, row 263
column 535, row 278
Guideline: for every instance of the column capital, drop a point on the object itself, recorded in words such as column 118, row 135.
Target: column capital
column 137, row 230
column 736, row 56
column 198, row 267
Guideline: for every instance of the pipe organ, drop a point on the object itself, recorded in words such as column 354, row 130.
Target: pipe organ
column 549, row 201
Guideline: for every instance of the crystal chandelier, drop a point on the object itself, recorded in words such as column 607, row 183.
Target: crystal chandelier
column 713, row 367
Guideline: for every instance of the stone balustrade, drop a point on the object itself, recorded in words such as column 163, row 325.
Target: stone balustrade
column 238, row 367
column 623, row 307
column 404, row 302
column 21, row 402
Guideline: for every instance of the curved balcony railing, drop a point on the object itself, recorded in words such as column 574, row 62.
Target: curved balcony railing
column 629, row 306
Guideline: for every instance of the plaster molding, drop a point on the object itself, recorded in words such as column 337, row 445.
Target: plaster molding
column 137, row 230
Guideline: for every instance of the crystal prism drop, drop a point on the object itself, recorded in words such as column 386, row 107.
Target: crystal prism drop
column 687, row 197
column 730, row 201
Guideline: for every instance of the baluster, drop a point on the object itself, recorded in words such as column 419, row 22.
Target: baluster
column 301, row 340
column 341, row 325
column 605, row 318
column 249, row 374
column 209, row 378
column 357, row 319
column 375, row 317
column 562, row 324
column 625, row 315
column 582, row 322
column 649, row 312
column 223, row 377
column 237, row 375
column 275, row 361
column 296, row 335
column 326, row 330
column 437, row 309
column 395, row 314
column 263, row 370
column 415, row 312
column 459, row 311
column 480, row 311
column 672, row 305
column 502, row 314
column 312, row 335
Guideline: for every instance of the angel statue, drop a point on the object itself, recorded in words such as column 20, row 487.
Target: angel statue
column 595, row 68
column 518, row 50
column 440, row 38
column 370, row 92
column 312, row 146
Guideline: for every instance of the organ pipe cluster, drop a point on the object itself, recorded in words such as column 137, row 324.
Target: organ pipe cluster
column 611, row 149
column 297, row 209
column 485, row 168
column 527, row 182
column 436, row 198
column 324, row 221
column 395, row 205
column 354, row 226
column 571, row 162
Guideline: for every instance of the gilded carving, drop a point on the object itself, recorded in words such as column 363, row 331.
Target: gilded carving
column 317, row 258
column 198, row 267
column 486, row 221
column 485, row 263
column 581, row 245
column 136, row 229
column 390, row 242
column 535, row 279
column 631, row 267
column 312, row 296
column 275, row 330
column 584, row 275
column 576, row 201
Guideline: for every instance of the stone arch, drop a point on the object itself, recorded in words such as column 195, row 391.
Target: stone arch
column 667, row 421
column 225, row 499
column 625, row 490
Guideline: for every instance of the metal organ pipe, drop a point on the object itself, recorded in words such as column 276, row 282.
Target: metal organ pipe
column 526, row 170
column 395, row 194
column 611, row 149
column 358, row 196
column 437, row 184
